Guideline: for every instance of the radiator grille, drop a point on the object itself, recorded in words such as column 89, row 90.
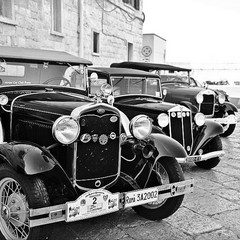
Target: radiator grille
column 180, row 126
column 98, row 149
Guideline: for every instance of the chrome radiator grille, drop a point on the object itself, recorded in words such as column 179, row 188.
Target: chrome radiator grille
column 207, row 106
column 98, row 158
column 180, row 126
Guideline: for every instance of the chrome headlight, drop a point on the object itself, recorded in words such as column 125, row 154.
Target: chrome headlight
column 199, row 119
column 140, row 126
column 163, row 120
column 221, row 98
column 199, row 98
column 66, row 129
column 3, row 99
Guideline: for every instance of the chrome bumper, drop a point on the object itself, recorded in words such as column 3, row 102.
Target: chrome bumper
column 199, row 158
column 58, row 213
column 230, row 119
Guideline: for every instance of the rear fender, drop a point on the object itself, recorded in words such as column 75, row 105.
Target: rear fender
column 26, row 157
column 211, row 130
column 167, row 146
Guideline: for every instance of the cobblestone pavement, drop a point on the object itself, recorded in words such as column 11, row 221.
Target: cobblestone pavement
column 211, row 212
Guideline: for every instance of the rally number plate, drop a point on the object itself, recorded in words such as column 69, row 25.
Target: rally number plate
column 141, row 196
column 91, row 204
column 192, row 159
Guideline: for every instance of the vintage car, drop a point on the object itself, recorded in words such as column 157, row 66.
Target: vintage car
column 139, row 92
column 214, row 104
column 67, row 157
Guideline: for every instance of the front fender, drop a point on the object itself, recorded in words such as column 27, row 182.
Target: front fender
column 30, row 158
column 211, row 130
column 167, row 146
column 230, row 107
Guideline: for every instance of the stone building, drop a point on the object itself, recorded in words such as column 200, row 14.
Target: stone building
column 102, row 31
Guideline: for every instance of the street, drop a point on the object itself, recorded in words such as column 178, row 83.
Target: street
column 211, row 212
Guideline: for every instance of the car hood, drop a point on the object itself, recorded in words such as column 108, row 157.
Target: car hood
column 48, row 106
column 145, row 104
column 182, row 93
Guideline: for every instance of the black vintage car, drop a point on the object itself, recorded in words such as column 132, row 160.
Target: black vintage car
column 66, row 157
column 139, row 92
column 181, row 88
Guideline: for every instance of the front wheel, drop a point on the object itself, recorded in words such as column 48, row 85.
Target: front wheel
column 214, row 144
column 166, row 170
column 228, row 128
column 19, row 193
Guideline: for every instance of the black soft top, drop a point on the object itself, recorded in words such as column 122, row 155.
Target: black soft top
column 146, row 66
column 20, row 54
column 122, row 72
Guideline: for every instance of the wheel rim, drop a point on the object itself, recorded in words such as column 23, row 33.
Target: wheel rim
column 14, row 219
column 163, row 178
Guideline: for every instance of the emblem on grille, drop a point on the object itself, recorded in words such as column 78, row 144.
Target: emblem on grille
column 103, row 139
column 94, row 137
column 112, row 135
column 113, row 119
column 101, row 110
column 85, row 138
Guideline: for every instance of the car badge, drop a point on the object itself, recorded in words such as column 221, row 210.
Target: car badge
column 94, row 137
column 123, row 137
column 112, row 135
column 105, row 197
column 113, row 119
column 173, row 114
column 184, row 114
column 85, row 138
column 188, row 148
column 101, row 110
column 83, row 122
column 103, row 139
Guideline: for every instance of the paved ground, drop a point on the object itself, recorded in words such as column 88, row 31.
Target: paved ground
column 212, row 212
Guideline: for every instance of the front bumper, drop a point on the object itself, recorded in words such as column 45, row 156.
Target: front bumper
column 99, row 202
column 202, row 157
column 230, row 119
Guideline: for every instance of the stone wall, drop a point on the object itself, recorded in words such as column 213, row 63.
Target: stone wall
column 116, row 22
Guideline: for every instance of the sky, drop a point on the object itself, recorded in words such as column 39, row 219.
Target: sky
column 196, row 31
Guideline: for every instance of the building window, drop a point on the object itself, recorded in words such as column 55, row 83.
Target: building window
column 6, row 9
column 133, row 3
column 57, row 16
column 130, row 51
column 96, row 42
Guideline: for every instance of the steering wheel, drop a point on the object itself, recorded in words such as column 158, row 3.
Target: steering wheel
column 62, row 81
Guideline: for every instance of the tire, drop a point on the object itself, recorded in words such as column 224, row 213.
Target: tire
column 213, row 145
column 167, row 171
column 228, row 129
column 18, row 194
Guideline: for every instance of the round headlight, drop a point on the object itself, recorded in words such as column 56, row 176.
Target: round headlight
column 199, row 98
column 221, row 98
column 3, row 99
column 199, row 119
column 66, row 130
column 163, row 120
column 141, row 126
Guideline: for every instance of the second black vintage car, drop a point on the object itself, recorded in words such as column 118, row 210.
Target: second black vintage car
column 181, row 88
column 139, row 92
column 66, row 157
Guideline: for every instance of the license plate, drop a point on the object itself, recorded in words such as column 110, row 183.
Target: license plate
column 91, row 204
column 140, row 197
column 191, row 159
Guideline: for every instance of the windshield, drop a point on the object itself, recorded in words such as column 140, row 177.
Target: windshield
column 18, row 73
column 136, row 85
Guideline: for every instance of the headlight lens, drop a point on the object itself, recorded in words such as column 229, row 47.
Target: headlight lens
column 141, row 126
column 221, row 98
column 66, row 130
column 199, row 119
column 3, row 99
column 199, row 98
column 163, row 120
